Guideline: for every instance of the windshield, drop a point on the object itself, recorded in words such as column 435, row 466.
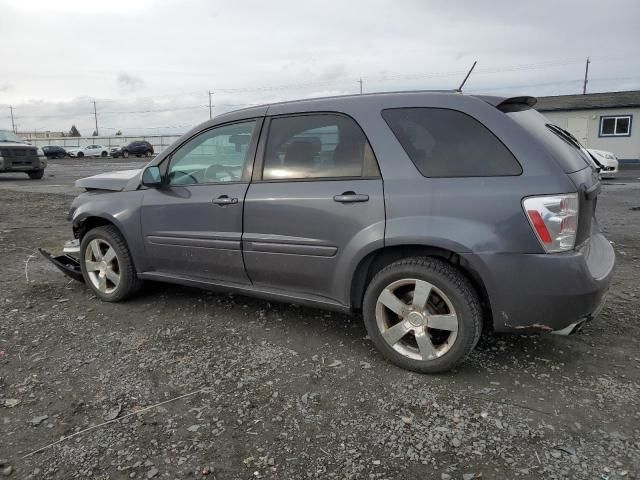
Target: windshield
column 8, row 136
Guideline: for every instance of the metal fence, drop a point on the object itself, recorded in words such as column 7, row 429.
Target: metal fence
column 159, row 142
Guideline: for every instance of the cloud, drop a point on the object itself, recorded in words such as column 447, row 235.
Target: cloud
column 173, row 52
column 128, row 83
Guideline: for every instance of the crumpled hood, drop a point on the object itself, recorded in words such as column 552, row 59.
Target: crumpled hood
column 114, row 181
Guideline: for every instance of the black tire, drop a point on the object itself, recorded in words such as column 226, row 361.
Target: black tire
column 129, row 283
column 36, row 175
column 80, row 154
column 61, row 156
column 125, row 154
column 104, row 154
column 452, row 283
column 148, row 153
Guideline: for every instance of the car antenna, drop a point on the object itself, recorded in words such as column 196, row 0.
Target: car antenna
column 465, row 78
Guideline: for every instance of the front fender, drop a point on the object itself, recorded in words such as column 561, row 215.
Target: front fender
column 122, row 209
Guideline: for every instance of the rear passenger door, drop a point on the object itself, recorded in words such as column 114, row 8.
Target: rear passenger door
column 315, row 199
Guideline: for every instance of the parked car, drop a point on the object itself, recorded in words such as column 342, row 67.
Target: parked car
column 53, row 151
column 432, row 213
column 88, row 151
column 608, row 161
column 16, row 155
column 138, row 148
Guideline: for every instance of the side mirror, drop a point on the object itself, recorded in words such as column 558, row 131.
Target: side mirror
column 151, row 177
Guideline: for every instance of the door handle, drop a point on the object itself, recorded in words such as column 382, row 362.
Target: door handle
column 351, row 197
column 223, row 200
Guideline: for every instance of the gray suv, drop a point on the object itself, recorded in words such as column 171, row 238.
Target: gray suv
column 432, row 213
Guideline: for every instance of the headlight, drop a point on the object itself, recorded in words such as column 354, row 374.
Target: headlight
column 40, row 152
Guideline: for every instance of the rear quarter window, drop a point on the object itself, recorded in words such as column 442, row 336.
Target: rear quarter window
column 568, row 157
column 447, row 143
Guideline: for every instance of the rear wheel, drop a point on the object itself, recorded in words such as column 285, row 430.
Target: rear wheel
column 125, row 154
column 106, row 264
column 422, row 314
column 61, row 156
column 104, row 154
column 36, row 175
column 147, row 153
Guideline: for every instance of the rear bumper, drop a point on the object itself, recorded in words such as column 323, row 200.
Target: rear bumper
column 547, row 292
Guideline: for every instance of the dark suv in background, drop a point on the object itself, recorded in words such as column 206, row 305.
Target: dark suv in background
column 432, row 213
column 53, row 151
column 138, row 148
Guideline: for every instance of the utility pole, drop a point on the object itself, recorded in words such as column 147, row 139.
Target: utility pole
column 210, row 110
column 95, row 115
column 586, row 75
column 465, row 78
column 13, row 123
column 360, row 82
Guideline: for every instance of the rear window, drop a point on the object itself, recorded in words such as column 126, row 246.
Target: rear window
column 447, row 143
column 569, row 157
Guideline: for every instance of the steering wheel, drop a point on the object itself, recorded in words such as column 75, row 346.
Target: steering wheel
column 213, row 169
column 182, row 175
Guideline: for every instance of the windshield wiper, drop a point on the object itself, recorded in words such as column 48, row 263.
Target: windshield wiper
column 568, row 136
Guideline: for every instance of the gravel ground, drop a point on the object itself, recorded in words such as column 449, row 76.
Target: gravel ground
column 197, row 384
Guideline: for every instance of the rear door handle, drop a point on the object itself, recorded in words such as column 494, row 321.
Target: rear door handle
column 223, row 200
column 351, row 197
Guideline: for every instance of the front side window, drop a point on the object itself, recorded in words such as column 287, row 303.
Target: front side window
column 447, row 143
column 615, row 126
column 317, row 146
column 217, row 155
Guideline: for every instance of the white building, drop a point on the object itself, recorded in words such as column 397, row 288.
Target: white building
column 604, row 121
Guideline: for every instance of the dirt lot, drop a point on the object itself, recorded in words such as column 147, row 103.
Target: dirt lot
column 253, row 389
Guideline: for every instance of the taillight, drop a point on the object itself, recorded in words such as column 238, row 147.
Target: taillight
column 554, row 219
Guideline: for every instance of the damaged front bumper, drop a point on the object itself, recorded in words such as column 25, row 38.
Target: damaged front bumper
column 68, row 262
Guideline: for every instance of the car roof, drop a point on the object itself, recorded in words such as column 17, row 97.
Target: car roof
column 328, row 103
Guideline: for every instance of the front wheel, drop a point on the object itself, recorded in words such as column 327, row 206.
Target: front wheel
column 80, row 154
column 36, row 175
column 422, row 314
column 125, row 154
column 107, row 266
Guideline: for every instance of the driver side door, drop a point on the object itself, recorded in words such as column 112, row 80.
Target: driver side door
column 193, row 226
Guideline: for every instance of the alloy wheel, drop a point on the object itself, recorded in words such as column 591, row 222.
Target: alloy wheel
column 416, row 319
column 101, row 263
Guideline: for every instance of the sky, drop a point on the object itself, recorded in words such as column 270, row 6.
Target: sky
column 149, row 64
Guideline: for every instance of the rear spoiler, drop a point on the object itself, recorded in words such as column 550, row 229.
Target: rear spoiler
column 512, row 104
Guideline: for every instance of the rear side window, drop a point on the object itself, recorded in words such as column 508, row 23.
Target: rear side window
column 568, row 156
column 447, row 143
column 317, row 146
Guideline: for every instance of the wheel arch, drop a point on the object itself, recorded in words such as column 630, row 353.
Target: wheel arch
column 376, row 260
column 84, row 224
